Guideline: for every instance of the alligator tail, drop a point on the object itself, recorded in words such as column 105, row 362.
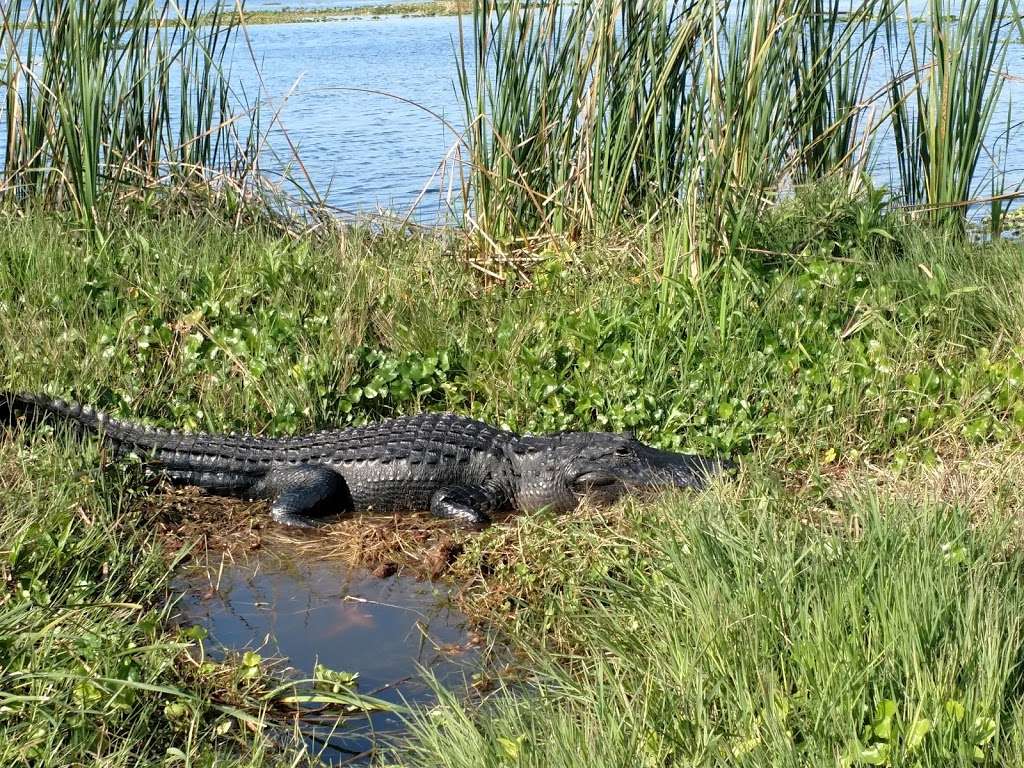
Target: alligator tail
column 209, row 460
column 33, row 410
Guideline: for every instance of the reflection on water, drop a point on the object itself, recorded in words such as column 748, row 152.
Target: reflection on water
column 281, row 603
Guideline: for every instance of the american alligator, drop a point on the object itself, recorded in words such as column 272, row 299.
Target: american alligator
column 456, row 467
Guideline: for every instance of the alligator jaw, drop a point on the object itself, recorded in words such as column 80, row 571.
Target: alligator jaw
column 664, row 469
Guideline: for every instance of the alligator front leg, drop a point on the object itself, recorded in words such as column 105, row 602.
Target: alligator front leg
column 300, row 494
column 466, row 504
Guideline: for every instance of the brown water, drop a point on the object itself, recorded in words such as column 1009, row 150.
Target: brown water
column 281, row 603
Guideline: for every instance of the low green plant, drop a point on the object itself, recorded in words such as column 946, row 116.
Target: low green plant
column 743, row 629
column 848, row 338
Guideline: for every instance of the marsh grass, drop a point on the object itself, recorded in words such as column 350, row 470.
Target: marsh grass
column 902, row 353
column 583, row 116
column 101, row 103
column 747, row 628
column 943, row 105
column 590, row 117
column 88, row 663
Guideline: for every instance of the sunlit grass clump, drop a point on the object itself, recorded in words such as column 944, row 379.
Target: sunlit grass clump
column 88, row 665
column 755, row 628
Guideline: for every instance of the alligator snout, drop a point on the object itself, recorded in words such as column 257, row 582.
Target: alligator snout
column 655, row 468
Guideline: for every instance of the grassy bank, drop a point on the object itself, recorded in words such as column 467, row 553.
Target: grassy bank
column 640, row 262
column 759, row 626
column 846, row 330
column 847, row 347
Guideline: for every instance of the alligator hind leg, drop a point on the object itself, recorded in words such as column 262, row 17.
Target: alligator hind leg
column 301, row 494
column 466, row 504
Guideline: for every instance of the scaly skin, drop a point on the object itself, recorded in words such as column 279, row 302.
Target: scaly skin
column 456, row 467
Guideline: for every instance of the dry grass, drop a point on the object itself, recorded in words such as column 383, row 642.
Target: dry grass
column 194, row 524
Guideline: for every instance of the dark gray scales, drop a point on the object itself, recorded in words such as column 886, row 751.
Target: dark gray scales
column 455, row 467
column 304, row 492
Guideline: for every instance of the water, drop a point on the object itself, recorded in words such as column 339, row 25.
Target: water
column 365, row 148
column 367, row 151
column 280, row 602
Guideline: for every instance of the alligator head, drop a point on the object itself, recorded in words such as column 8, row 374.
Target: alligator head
column 557, row 471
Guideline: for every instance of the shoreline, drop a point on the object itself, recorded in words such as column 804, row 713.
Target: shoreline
column 341, row 13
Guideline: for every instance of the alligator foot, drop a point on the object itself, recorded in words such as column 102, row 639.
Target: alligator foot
column 302, row 495
column 464, row 504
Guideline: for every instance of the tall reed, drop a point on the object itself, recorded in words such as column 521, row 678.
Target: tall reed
column 585, row 116
column 835, row 49
column 944, row 92
column 103, row 96
column 565, row 104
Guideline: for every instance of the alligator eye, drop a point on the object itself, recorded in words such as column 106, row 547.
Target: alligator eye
column 622, row 450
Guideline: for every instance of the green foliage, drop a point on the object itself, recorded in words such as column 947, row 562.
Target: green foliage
column 905, row 343
column 106, row 98
column 88, row 665
column 848, row 336
column 737, row 630
column 943, row 105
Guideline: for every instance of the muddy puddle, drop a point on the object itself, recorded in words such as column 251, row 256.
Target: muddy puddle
column 280, row 602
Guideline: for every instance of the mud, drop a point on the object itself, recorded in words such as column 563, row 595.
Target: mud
column 192, row 524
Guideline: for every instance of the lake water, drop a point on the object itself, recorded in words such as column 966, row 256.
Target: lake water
column 364, row 150
column 368, row 151
column 280, row 602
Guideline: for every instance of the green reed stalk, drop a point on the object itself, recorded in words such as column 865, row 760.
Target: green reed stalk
column 943, row 106
column 584, row 116
column 834, row 52
column 105, row 96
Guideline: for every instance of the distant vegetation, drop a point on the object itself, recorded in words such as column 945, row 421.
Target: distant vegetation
column 302, row 15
